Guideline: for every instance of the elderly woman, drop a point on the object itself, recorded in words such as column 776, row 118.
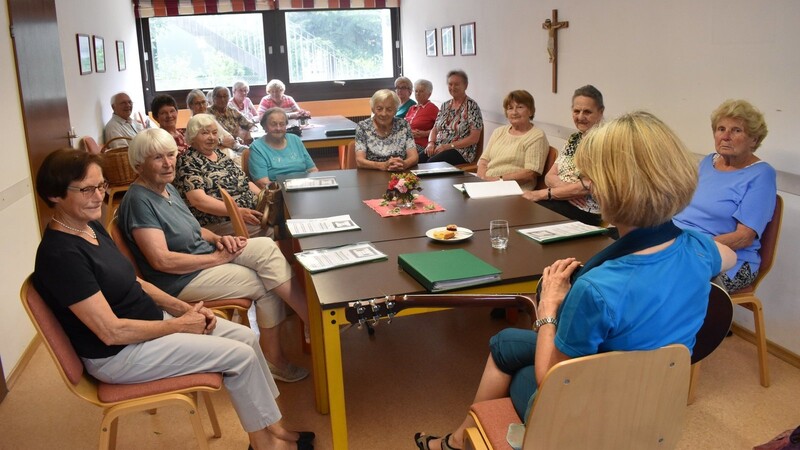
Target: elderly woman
column 735, row 196
column 403, row 88
column 203, row 170
column 383, row 141
column 241, row 103
column 195, row 264
column 517, row 151
column 275, row 98
column 232, row 120
column 566, row 193
column 196, row 102
column 277, row 153
column 127, row 330
column 613, row 304
column 454, row 137
column 422, row 116
column 165, row 108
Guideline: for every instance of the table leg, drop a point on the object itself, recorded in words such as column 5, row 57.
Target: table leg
column 342, row 156
column 332, row 320
column 317, row 347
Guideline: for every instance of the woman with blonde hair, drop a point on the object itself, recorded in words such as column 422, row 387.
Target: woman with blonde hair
column 625, row 297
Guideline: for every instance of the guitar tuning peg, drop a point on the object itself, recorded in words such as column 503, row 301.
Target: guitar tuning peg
column 361, row 322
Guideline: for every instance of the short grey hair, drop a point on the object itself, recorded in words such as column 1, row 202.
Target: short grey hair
column 241, row 84
column 219, row 89
column 193, row 94
column 383, row 95
column 403, row 80
column 115, row 96
column 270, row 112
column 197, row 123
column 276, row 83
column 147, row 143
column 424, row 84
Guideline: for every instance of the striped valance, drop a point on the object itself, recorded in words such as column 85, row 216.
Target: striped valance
column 162, row 8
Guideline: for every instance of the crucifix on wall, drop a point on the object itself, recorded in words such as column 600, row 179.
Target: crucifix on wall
column 552, row 26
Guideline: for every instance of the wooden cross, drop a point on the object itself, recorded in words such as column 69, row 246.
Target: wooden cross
column 552, row 27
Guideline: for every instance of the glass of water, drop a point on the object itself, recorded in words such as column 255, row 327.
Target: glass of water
column 498, row 233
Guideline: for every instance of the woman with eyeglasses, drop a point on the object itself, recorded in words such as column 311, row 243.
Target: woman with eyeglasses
column 403, row 88
column 126, row 330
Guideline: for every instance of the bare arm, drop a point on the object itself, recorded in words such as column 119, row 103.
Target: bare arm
column 363, row 163
column 728, row 256
column 263, row 182
column 153, row 244
column 558, row 190
column 97, row 315
column 206, row 203
column 742, row 237
column 174, row 306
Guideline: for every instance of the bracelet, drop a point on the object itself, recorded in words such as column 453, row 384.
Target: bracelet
column 540, row 322
column 549, row 194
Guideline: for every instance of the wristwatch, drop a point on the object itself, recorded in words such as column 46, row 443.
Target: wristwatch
column 539, row 322
column 452, row 146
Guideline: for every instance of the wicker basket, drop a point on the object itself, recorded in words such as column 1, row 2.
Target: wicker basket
column 116, row 168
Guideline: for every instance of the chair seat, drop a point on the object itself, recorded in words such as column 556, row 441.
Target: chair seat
column 494, row 417
column 749, row 290
column 113, row 393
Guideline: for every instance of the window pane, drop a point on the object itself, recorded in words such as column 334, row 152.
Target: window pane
column 204, row 51
column 339, row 45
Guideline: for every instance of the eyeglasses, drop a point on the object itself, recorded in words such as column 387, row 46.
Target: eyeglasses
column 89, row 191
column 585, row 187
column 402, row 88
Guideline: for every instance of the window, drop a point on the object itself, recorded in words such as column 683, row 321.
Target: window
column 339, row 45
column 206, row 51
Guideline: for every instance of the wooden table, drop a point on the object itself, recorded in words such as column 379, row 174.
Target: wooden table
column 314, row 136
column 329, row 292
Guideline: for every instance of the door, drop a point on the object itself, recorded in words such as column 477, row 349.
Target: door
column 40, row 76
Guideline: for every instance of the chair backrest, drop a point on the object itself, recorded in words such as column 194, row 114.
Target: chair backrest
column 769, row 242
column 239, row 228
column 246, row 163
column 350, row 156
column 89, row 145
column 122, row 245
column 552, row 154
column 719, row 317
column 615, row 400
column 479, row 148
column 58, row 344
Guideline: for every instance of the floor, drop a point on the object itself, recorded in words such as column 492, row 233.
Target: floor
column 416, row 374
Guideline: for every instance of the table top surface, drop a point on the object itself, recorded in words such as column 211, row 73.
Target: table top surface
column 319, row 125
column 406, row 234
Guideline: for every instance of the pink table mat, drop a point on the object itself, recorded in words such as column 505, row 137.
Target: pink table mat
column 422, row 205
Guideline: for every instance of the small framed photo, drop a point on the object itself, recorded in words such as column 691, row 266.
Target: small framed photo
column 430, row 42
column 84, row 53
column 448, row 41
column 99, row 54
column 468, row 39
column 121, row 63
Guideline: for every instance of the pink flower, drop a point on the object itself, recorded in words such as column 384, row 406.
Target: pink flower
column 401, row 186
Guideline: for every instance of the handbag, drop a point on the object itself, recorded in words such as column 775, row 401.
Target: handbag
column 270, row 203
column 788, row 440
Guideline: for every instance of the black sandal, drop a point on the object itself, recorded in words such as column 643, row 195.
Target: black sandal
column 446, row 445
column 423, row 441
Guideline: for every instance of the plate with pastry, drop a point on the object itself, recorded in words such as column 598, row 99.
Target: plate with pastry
column 449, row 233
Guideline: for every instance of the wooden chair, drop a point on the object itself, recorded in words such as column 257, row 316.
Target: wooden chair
column 89, row 145
column 246, row 163
column 614, row 400
column 119, row 399
column 239, row 227
column 222, row 307
column 349, row 160
column 719, row 316
column 552, row 154
column 473, row 166
column 747, row 297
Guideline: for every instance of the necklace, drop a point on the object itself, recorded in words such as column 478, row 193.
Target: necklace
column 89, row 233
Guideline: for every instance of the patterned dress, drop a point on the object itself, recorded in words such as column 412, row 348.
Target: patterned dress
column 380, row 148
column 232, row 120
column 455, row 124
column 568, row 173
column 196, row 171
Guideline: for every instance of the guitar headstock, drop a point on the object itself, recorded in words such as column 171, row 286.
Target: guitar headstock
column 371, row 311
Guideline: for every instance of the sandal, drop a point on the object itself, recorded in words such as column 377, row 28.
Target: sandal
column 423, row 441
column 445, row 445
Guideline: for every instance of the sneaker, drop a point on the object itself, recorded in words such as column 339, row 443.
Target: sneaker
column 290, row 374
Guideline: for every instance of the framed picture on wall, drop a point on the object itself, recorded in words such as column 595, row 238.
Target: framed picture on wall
column 121, row 63
column 84, row 53
column 430, row 42
column 448, row 41
column 99, row 54
column 468, row 38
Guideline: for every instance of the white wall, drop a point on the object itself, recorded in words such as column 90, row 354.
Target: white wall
column 678, row 59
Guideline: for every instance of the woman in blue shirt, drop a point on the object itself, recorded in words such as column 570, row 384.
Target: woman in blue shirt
column 735, row 196
column 277, row 153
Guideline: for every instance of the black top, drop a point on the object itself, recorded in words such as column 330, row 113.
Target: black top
column 69, row 269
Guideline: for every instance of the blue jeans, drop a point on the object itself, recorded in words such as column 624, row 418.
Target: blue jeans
column 513, row 351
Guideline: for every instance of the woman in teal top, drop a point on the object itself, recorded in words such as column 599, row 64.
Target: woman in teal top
column 277, row 153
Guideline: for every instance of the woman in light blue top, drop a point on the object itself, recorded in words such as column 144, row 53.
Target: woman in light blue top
column 735, row 195
column 277, row 153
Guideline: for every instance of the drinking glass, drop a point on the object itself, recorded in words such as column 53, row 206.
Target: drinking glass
column 498, row 233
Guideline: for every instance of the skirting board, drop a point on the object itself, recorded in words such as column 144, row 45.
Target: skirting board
column 774, row 349
column 26, row 357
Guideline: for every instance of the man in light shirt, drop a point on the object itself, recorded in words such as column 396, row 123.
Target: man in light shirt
column 121, row 123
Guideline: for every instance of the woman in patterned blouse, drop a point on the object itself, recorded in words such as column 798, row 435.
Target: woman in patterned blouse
column 567, row 194
column 384, row 142
column 275, row 98
column 203, row 170
column 230, row 119
column 454, row 137
column 165, row 108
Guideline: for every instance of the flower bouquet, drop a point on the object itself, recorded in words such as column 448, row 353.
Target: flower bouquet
column 401, row 189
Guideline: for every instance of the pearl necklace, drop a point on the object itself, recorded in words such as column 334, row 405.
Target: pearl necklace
column 89, row 233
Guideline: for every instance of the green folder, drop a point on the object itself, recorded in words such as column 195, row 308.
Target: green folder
column 448, row 269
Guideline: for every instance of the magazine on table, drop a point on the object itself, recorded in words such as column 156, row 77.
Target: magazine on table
column 560, row 231
column 308, row 227
column 296, row 184
column 491, row 189
column 322, row 259
column 437, row 168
